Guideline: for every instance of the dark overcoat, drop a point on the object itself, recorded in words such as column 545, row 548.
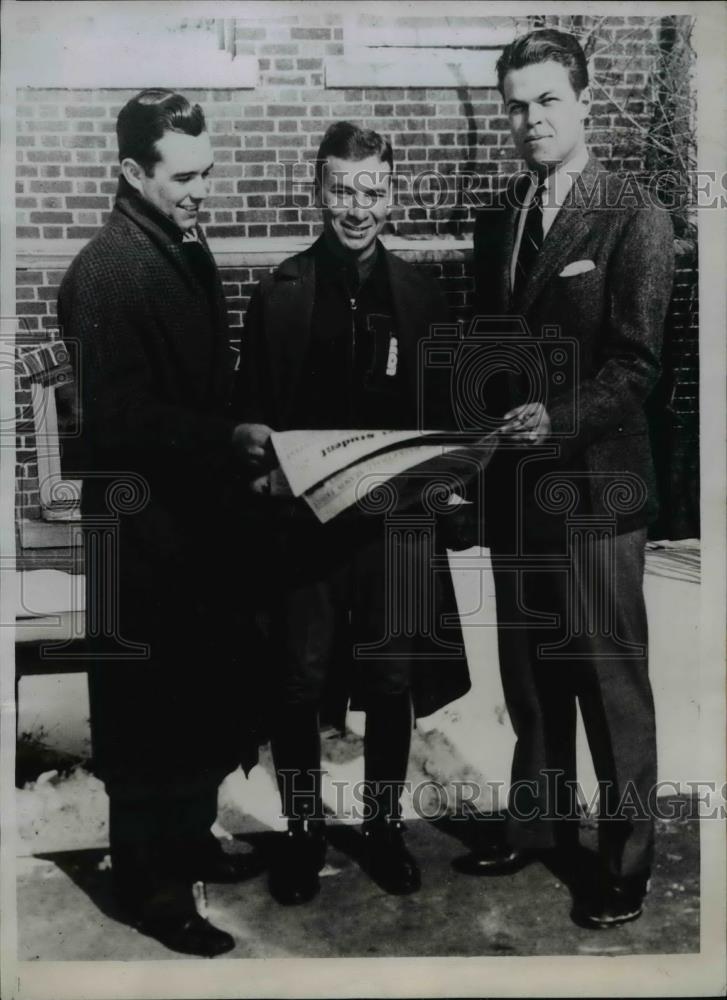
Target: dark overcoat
column 608, row 315
column 155, row 371
column 274, row 349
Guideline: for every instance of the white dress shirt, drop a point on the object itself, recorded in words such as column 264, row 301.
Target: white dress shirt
column 556, row 187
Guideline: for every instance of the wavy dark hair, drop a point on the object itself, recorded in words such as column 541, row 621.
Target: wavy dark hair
column 545, row 45
column 144, row 120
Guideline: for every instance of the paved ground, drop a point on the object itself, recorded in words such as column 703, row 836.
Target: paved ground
column 66, row 911
column 64, row 906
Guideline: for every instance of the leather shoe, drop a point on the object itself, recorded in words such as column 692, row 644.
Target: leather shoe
column 206, row 861
column 387, row 860
column 618, row 901
column 188, row 934
column 170, row 916
column 294, row 871
column 495, row 859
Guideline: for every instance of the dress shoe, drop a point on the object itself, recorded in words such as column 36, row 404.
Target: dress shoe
column 190, row 935
column 618, row 901
column 495, row 859
column 298, row 860
column 387, row 860
column 204, row 859
column 170, row 916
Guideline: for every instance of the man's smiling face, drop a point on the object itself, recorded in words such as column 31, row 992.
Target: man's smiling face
column 356, row 198
column 180, row 180
column 546, row 115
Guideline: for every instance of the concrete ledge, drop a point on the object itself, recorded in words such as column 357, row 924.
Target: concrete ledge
column 241, row 252
column 430, row 29
column 413, row 67
column 83, row 47
column 37, row 534
column 38, row 255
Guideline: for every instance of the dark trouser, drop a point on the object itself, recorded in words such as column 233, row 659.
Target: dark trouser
column 153, row 834
column 597, row 632
column 297, row 754
column 313, row 632
column 163, row 741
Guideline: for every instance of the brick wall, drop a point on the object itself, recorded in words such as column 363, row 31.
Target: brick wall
column 66, row 145
column 453, row 268
column 67, row 166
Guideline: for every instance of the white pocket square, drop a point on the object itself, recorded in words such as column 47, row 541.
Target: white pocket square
column 576, row 267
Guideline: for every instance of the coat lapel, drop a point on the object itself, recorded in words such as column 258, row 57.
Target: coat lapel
column 288, row 323
column 410, row 318
column 223, row 358
column 199, row 337
column 517, row 193
column 567, row 230
column 163, row 233
column 407, row 303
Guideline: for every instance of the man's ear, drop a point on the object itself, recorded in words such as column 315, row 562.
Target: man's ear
column 132, row 172
column 584, row 99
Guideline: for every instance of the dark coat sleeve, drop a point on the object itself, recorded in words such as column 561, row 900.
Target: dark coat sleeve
column 431, row 385
column 485, row 244
column 639, row 283
column 107, row 312
column 488, row 241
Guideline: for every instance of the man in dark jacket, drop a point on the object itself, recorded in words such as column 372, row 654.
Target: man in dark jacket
column 578, row 266
column 331, row 342
column 143, row 301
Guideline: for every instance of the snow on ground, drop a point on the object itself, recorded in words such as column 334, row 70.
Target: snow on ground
column 464, row 748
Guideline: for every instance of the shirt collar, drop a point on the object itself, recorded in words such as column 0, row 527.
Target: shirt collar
column 559, row 181
column 339, row 262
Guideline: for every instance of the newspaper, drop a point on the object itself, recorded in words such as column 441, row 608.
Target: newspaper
column 309, row 457
column 333, row 470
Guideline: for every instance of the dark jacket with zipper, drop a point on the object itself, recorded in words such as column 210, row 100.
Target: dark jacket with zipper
column 314, row 355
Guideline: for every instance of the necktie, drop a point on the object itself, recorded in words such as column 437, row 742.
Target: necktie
column 531, row 241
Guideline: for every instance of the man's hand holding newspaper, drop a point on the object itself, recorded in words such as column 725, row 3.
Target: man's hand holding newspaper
column 333, row 470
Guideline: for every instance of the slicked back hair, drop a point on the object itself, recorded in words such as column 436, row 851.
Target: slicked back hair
column 147, row 117
column 545, row 45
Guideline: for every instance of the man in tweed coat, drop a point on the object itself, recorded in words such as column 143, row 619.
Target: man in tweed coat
column 144, row 302
column 579, row 267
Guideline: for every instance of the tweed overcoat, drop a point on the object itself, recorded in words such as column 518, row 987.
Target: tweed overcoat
column 155, row 374
column 276, row 338
column 607, row 309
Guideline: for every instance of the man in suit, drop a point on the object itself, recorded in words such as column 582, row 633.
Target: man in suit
column 587, row 268
column 143, row 300
column 331, row 342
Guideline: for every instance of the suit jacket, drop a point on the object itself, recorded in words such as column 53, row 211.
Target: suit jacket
column 274, row 348
column 609, row 318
